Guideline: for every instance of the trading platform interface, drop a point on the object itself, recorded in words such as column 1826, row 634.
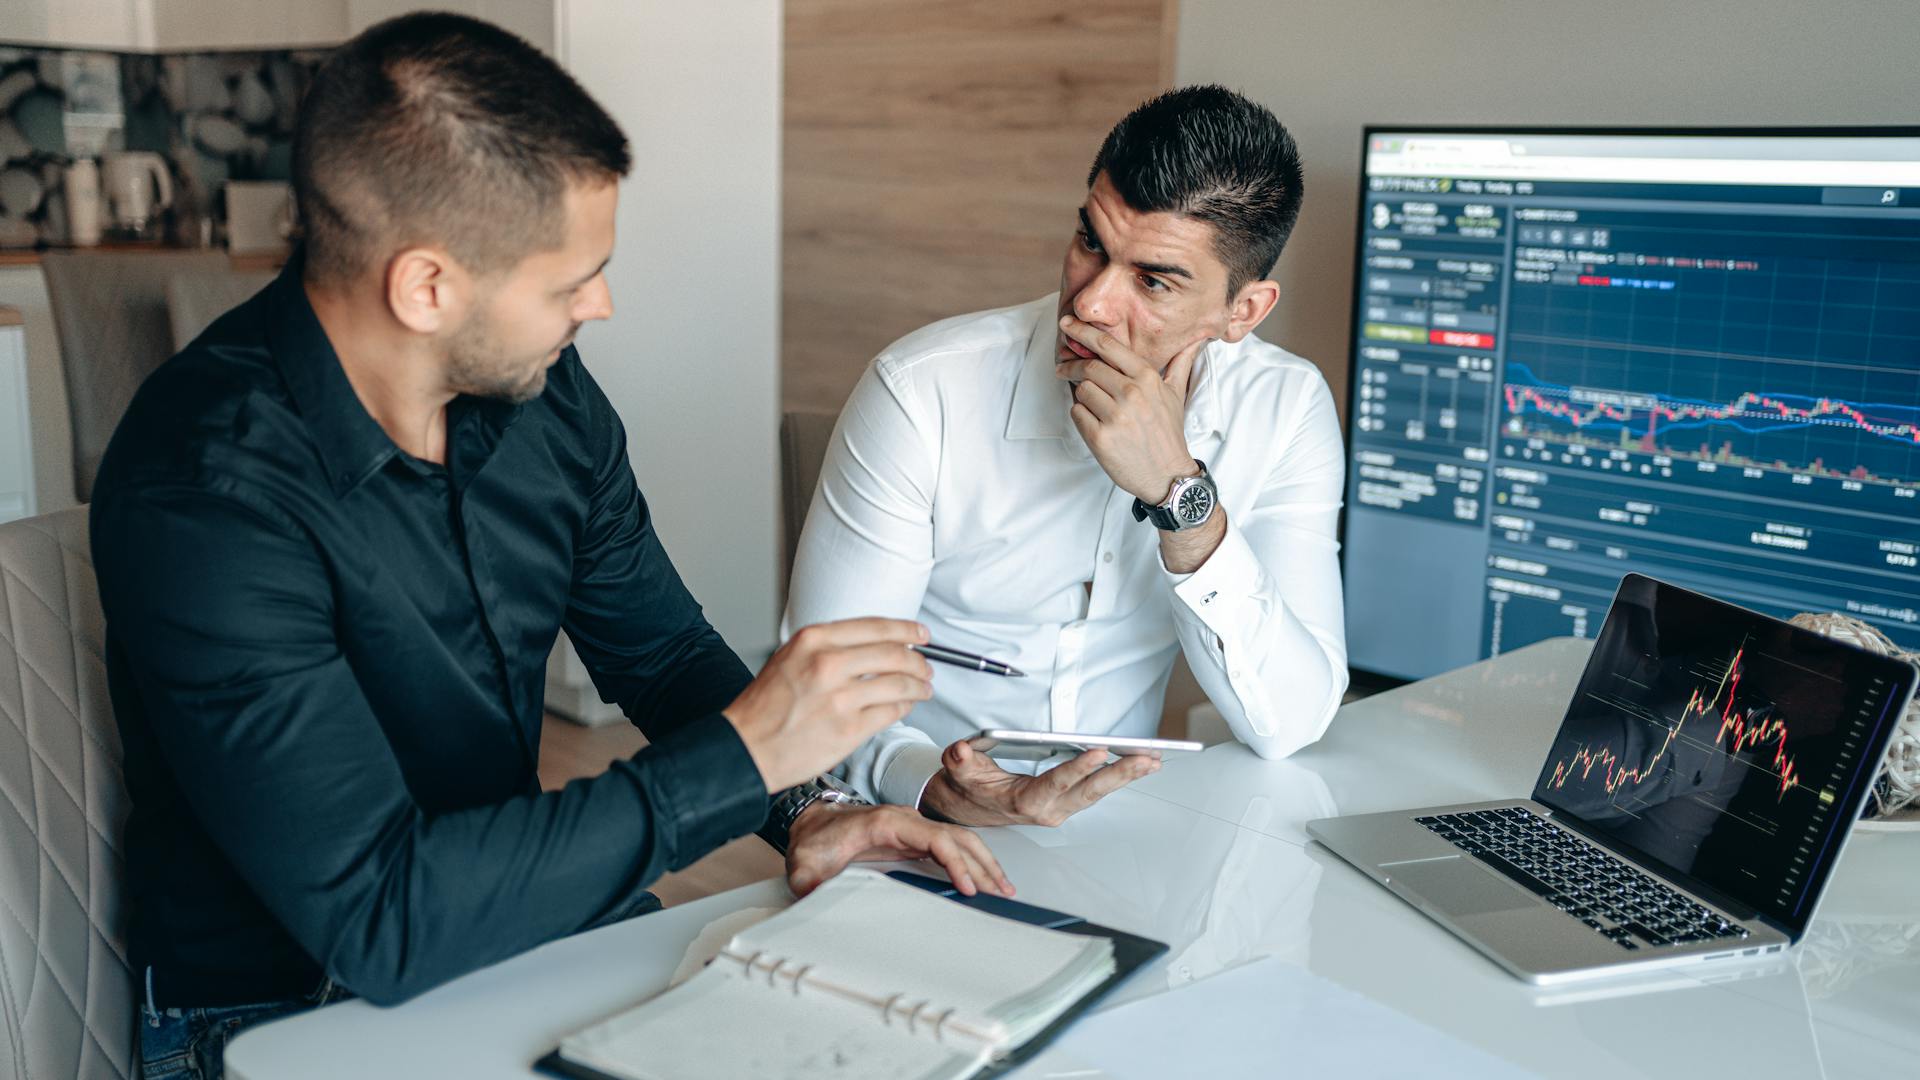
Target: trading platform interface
column 1693, row 356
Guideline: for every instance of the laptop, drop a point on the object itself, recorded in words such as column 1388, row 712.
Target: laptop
column 1697, row 795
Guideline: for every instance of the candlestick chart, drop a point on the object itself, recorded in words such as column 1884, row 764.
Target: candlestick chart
column 1715, row 719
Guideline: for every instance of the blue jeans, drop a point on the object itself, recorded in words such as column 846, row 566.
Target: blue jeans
column 189, row 1044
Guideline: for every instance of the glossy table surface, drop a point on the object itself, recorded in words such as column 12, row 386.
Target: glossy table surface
column 1210, row 855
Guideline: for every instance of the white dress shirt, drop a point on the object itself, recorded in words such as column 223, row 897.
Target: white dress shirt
column 957, row 491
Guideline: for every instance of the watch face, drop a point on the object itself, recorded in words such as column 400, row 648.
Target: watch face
column 1194, row 504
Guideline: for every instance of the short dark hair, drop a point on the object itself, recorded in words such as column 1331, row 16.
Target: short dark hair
column 435, row 128
column 1212, row 155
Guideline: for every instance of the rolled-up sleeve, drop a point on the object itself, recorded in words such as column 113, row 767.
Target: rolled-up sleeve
column 222, row 609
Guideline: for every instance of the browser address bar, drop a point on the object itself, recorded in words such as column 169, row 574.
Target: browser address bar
column 1650, row 170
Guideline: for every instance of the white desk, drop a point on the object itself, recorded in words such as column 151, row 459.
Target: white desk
column 1210, row 856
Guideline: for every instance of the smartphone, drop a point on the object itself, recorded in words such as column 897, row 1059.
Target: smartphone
column 1034, row 745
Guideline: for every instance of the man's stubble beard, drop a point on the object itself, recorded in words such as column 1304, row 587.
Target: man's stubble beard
column 477, row 368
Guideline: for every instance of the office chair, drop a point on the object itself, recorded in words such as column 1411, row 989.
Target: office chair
column 67, row 1005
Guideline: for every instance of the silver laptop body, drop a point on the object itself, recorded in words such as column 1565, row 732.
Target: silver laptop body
column 1696, row 797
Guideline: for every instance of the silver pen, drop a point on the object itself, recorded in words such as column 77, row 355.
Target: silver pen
column 967, row 660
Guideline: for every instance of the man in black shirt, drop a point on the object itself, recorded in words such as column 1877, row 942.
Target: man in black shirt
column 337, row 536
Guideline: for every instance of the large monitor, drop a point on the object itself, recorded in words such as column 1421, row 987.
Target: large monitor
column 1693, row 354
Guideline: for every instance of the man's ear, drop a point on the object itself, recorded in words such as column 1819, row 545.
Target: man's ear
column 426, row 290
column 1250, row 305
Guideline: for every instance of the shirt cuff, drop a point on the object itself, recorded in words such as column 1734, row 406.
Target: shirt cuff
column 1232, row 573
column 711, row 791
column 904, row 777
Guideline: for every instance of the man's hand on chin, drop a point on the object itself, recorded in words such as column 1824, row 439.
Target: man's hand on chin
column 827, row 837
column 970, row 789
column 1131, row 414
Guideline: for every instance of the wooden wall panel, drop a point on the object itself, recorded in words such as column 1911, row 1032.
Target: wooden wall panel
column 935, row 151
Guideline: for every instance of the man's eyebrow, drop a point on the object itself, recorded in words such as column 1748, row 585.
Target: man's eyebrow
column 1166, row 269
column 595, row 274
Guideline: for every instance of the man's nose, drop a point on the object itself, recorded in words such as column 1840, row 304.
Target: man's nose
column 596, row 301
column 1097, row 303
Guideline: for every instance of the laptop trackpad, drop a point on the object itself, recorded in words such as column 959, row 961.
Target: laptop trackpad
column 1458, row 886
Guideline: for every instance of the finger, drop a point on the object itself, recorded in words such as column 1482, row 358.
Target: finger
column 1180, row 368
column 1084, row 420
column 888, row 658
column 1104, row 345
column 989, row 866
column 850, row 632
column 1097, row 400
column 1104, row 375
column 877, row 718
column 1066, row 776
column 884, row 690
column 1114, row 777
column 968, row 765
column 946, row 851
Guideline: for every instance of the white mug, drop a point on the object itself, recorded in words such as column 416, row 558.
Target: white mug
column 131, row 178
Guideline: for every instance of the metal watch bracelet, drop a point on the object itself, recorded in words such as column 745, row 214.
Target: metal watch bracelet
column 791, row 803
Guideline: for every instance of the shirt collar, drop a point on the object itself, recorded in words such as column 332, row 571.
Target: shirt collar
column 352, row 445
column 1041, row 402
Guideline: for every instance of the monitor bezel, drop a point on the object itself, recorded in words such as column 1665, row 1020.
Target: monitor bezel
column 1382, row 680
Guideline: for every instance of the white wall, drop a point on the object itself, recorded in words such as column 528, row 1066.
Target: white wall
column 691, row 355
column 145, row 25
column 1327, row 67
column 531, row 19
column 98, row 24
column 242, row 24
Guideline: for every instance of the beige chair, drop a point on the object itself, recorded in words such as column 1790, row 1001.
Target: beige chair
column 110, row 309
column 194, row 300
column 67, row 1005
column 804, row 437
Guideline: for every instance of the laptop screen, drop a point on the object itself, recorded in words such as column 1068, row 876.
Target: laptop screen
column 1728, row 746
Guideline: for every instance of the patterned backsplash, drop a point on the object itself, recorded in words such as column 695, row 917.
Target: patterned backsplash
column 214, row 116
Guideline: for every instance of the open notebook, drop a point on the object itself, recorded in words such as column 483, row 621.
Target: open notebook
column 866, row 977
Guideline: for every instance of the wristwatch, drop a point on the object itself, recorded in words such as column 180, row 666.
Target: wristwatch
column 791, row 803
column 1189, row 505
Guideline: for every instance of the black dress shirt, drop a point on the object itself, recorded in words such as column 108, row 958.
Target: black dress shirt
column 327, row 660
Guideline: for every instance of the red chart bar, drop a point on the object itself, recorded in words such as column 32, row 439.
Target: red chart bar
column 1459, row 339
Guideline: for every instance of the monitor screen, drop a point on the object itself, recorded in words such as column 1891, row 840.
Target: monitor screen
column 1581, row 354
column 1724, row 745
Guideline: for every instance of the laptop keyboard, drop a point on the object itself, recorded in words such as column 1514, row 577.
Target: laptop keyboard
column 1632, row 909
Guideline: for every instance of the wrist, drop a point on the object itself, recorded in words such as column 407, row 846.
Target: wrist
column 754, row 754
column 1172, row 474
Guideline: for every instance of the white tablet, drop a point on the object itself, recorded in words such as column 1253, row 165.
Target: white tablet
column 1033, row 745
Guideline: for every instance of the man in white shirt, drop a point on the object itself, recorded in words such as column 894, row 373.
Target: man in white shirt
column 1029, row 483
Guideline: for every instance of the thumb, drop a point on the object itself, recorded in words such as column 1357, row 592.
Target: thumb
column 1180, row 368
column 963, row 762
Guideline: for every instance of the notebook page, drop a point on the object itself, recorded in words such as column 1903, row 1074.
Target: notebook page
column 722, row 1024
column 865, row 931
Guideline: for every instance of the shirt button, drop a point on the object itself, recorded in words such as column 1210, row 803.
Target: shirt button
column 1108, row 557
column 1234, row 674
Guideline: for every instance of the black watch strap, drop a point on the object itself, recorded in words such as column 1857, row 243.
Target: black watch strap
column 1162, row 516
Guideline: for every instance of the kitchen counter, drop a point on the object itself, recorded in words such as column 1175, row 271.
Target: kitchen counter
column 31, row 256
